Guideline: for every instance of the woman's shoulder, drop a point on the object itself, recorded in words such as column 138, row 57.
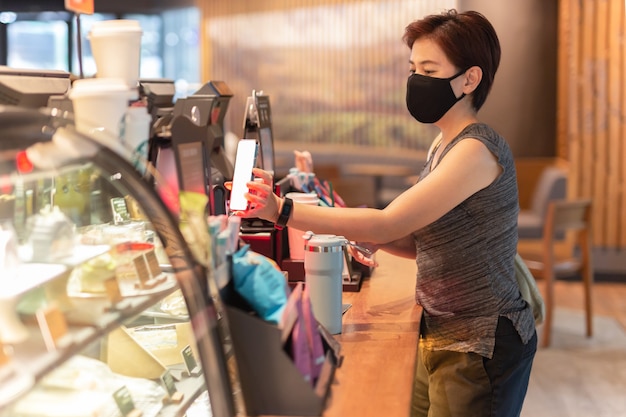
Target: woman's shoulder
column 493, row 141
column 486, row 134
column 480, row 130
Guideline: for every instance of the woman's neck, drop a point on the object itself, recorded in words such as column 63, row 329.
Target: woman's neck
column 452, row 124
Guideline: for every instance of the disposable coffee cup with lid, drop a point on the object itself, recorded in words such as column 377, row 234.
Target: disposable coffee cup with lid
column 116, row 48
column 99, row 104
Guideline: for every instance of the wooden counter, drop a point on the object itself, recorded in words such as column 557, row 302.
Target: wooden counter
column 379, row 343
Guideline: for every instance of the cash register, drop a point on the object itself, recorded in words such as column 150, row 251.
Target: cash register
column 188, row 138
column 31, row 88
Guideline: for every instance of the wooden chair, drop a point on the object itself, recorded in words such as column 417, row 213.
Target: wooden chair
column 560, row 258
column 551, row 185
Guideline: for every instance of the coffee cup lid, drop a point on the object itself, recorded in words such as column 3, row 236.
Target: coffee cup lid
column 99, row 87
column 323, row 242
column 298, row 197
column 109, row 27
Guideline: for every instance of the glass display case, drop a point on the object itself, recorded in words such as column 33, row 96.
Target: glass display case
column 104, row 309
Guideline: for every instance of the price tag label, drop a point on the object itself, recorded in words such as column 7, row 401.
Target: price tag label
column 79, row 6
column 119, row 210
column 173, row 395
column 124, row 401
column 190, row 361
column 168, row 383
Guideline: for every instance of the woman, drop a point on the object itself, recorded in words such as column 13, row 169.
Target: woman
column 477, row 337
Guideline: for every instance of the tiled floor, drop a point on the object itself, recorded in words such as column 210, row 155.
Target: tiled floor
column 576, row 376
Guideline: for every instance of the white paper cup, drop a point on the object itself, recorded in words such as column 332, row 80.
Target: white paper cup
column 99, row 103
column 296, row 242
column 116, row 48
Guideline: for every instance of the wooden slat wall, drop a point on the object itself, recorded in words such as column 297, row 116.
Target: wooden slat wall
column 622, row 129
column 211, row 9
column 592, row 110
column 615, row 36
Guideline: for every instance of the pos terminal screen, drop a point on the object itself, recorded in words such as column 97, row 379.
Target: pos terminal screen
column 267, row 149
column 191, row 159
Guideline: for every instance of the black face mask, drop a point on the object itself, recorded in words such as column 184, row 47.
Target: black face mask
column 429, row 98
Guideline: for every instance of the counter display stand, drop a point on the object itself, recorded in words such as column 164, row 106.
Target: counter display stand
column 109, row 316
column 270, row 382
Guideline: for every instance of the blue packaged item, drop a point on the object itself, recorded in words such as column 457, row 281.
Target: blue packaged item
column 260, row 283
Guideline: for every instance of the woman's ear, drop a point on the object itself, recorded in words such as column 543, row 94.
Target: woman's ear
column 473, row 76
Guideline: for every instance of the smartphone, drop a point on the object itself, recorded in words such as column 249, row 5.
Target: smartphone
column 244, row 162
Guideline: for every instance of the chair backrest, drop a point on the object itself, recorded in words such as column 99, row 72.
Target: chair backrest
column 571, row 219
column 552, row 185
column 568, row 215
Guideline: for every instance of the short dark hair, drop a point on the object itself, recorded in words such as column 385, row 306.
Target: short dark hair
column 467, row 39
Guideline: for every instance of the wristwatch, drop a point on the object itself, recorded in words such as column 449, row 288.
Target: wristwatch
column 285, row 213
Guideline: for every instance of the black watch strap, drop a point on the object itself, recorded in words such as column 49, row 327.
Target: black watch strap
column 285, row 213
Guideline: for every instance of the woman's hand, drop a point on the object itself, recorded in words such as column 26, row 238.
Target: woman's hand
column 263, row 203
column 363, row 252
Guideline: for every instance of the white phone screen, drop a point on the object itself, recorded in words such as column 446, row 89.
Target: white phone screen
column 244, row 162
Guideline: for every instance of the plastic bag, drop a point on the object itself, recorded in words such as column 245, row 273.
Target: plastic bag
column 530, row 291
column 260, row 283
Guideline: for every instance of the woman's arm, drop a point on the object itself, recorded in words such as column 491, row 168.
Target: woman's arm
column 363, row 251
column 467, row 168
column 404, row 248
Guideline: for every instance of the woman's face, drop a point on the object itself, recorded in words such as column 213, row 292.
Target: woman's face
column 427, row 58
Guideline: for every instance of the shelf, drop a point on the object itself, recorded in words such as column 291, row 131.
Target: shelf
column 52, row 319
column 34, row 361
column 19, row 385
column 30, row 276
column 83, row 253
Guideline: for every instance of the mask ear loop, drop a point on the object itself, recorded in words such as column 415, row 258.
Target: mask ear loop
column 458, row 74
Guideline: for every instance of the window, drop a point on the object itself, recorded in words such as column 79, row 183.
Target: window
column 170, row 46
column 38, row 44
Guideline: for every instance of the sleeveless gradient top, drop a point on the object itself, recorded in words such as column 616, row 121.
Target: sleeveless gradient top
column 465, row 261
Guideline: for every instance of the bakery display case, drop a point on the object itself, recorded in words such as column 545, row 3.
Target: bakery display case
column 104, row 310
